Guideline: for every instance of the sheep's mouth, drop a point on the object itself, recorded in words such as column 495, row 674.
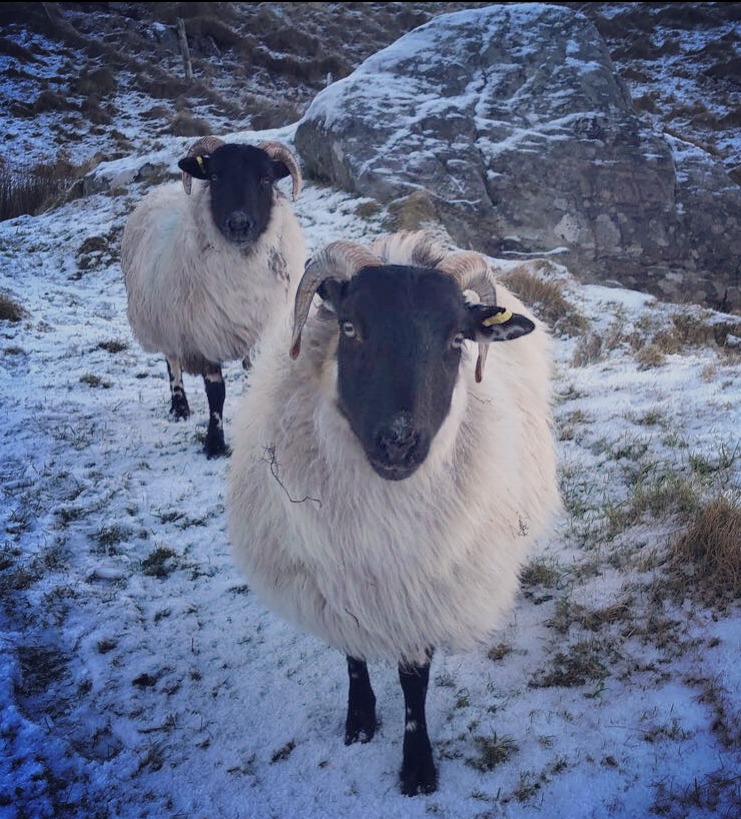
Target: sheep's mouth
column 241, row 239
column 393, row 472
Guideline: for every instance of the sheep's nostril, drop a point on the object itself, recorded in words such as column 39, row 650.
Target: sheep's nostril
column 397, row 444
column 239, row 223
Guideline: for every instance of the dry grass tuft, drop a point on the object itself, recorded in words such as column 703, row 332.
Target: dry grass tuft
column 28, row 189
column 697, row 329
column 649, row 356
column 547, row 301
column 185, row 124
column 708, row 554
column 493, row 751
column 586, row 661
column 412, row 212
column 10, row 310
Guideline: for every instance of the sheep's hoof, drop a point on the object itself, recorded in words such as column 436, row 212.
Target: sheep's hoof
column 179, row 408
column 213, row 444
column 217, row 450
column 418, row 776
column 360, row 726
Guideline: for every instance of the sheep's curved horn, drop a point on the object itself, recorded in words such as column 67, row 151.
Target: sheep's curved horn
column 204, row 145
column 472, row 272
column 278, row 151
column 421, row 247
column 339, row 259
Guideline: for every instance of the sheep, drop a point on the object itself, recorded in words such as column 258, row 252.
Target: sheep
column 202, row 271
column 382, row 495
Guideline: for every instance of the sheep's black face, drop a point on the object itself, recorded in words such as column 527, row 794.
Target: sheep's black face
column 241, row 179
column 401, row 334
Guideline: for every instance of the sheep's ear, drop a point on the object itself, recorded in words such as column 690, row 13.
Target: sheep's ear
column 496, row 323
column 332, row 292
column 195, row 166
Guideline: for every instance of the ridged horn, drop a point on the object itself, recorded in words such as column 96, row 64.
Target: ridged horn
column 204, row 145
column 342, row 260
column 278, row 151
column 472, row 272
column 421, row 247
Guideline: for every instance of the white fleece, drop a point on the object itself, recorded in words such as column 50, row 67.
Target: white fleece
column 387, row 569
column 192, row 294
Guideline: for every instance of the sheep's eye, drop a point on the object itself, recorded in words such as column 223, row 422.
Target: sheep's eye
column 457, row 340
column 214, row 177
column 348, row 329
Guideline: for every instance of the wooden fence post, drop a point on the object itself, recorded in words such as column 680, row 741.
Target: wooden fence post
column 184, row 50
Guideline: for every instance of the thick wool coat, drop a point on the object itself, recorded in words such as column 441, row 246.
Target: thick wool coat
column 388, row 569
column 193, row 295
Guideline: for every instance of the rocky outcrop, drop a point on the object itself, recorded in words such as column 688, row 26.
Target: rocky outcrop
column 512, row 125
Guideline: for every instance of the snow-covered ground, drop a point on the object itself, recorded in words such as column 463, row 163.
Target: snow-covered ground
column 140, row 678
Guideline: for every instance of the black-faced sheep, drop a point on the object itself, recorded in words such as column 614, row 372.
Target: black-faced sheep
column 383, row 494
column 203, row 270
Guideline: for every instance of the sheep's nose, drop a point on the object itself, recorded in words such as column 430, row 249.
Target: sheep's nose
column 239, row 223
column 398, row 441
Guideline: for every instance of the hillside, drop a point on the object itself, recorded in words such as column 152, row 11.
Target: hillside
column 140, row 677
column 114, row 76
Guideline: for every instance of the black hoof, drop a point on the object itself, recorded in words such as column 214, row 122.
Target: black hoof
column 179, row 409
column 360, row 726
column 214, row 445
column 218, row 451
column 418, row 778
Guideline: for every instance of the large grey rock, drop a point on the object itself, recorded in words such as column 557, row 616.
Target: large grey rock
column 512, row 124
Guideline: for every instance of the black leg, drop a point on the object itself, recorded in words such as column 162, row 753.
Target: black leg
column 178, row 402
column 361, row 704
column 418, row 773
column 215, row 393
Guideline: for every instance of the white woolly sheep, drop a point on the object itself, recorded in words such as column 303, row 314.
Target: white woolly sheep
column 382, row 494
column 203, row 271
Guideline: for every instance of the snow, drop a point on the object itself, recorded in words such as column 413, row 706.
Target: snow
column 139, row 677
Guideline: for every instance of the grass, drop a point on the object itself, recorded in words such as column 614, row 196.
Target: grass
column 704, row 561
column 689, row 328
column 540, row 572
column 568, row 614
column 96, row 381
column 97, row 253
column 638, row 486
column 159, row 562
column 109, row 537
column 716, row 793
column 113, row 346
column 17, row 577
column 546, row 299
column 283, row 753
column 499, row 651
column 41, row 667
column 586, row 661
column 10, row 310
column 649, row 356
column 493, row 751
column 29, row 189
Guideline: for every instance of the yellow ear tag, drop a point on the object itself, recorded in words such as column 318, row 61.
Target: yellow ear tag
column 498, row 318
column 199, row 160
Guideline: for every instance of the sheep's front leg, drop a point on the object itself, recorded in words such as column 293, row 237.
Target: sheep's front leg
column 361, row 704
column 215, row 393
column 418, row 773
column 178, row 401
